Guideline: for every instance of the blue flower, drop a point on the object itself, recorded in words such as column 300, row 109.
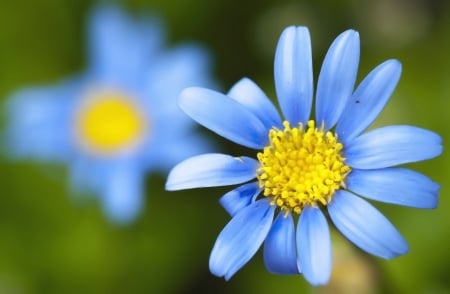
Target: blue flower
column 305, row 166
column 119, row 119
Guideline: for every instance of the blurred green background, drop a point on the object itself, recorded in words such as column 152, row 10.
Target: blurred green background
column 50, row 245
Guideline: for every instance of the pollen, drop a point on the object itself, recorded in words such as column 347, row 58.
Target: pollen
column 109, row 122
column 301, row 166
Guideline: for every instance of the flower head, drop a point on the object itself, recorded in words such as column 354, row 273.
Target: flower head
column 307, row 164
column 119, row 119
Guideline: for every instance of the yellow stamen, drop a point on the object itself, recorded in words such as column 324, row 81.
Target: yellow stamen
column 301, row 167
column 109, row 123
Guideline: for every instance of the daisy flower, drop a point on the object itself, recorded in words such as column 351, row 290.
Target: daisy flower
column 308, row 167
column 119, row 119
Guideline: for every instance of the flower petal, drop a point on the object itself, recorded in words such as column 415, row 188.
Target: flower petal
column 239, row 198
column 294, row 74
column 253, row 98
column 210, row 170
column 225, row 116
column 241, row 238
column 369, row 100
column 337, row 78
column 365, row 226
column 113, row 35
column 392, row 145
column 163, row 152
column 172, row 71
column 39, row 120
column 280, row 256
column 123, row 193
column 314, row 246
column 394, row 185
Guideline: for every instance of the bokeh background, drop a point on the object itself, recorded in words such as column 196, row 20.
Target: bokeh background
column 50, row 245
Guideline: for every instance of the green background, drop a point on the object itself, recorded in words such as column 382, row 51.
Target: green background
column 48, row 244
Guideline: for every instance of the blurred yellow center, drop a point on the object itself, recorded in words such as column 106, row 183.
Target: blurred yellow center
column 109, row 123
column 301, row 167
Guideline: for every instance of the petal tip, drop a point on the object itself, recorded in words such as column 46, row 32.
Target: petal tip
column 351, row 33
column 170, row 184
column 401, row 249
column 186, row 93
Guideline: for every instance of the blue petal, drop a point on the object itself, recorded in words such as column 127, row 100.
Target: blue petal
column 394, row 185
column 225, row 116
column 253, row 98
column 369, row 100
column 392, row 145
column 39, row 121
column 210, row 170
column 241, row 238
column 114, row 35
column 294, row 74
column 280, row 256
column 175, row 69
column 337, row 78
column 365, row 226
column 123, row 193
column 314, row 246
column 239, row 198
column 164, row 153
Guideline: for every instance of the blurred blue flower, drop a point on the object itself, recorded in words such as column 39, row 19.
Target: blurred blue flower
column 306, row 165
column 117, row 120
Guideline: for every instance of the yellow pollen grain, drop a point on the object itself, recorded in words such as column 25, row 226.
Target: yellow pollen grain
column 109, row 123
column 301, row 166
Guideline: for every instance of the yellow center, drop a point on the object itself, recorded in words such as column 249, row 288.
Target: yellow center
column 109, row 123
column 301, row 167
